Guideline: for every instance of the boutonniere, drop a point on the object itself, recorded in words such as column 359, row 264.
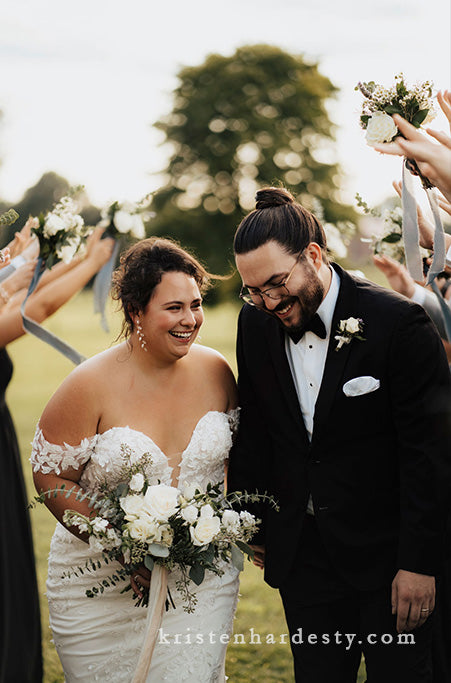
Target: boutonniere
column 349, row 329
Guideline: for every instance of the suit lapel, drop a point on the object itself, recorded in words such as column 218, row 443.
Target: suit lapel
column 276, row 343
column 346, row 307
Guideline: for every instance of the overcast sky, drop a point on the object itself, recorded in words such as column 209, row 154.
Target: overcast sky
column 81, row 83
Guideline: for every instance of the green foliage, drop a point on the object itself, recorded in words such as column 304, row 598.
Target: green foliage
column 238, row 123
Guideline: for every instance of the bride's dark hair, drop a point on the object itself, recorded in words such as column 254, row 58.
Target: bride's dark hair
column 278, row 217
column 141, row 269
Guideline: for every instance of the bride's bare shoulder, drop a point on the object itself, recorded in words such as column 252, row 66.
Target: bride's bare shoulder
column 76, row 406
column 212, row 366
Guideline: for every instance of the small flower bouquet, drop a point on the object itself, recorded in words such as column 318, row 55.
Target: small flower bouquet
column 349, row 329
column 390, row 242
column 140, row 523
column 123, row 219
column 414, row 104
column 61, row 233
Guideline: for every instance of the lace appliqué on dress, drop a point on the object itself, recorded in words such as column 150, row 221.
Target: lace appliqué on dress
column 49, row 457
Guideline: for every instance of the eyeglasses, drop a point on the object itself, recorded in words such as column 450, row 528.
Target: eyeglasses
column 254, row 297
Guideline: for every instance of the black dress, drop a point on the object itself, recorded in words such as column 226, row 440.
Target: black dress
column 20, row 627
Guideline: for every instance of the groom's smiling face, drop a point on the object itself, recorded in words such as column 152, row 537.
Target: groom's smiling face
column 271, row 265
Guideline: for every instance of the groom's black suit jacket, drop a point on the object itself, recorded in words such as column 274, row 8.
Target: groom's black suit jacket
column 377, row 464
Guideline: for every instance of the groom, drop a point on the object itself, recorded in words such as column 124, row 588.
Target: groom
column 345, row 397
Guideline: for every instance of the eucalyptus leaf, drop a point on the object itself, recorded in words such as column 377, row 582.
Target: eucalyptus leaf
column 196, row 574
column 149, row 563
column 237, row 558
column 158, row 550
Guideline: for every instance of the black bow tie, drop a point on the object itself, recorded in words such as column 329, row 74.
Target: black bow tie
column 315, row 325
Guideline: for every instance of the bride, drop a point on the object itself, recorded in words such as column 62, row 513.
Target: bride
column 157, row 392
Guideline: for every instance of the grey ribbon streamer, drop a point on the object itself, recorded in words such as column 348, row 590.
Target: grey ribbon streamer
column 446, row 310
column 37, row 330
column 12, row 267
column 439, row 258
column 410, row 226
column 102, row 285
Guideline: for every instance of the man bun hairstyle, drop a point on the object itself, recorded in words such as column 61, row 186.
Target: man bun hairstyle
column 279, row 218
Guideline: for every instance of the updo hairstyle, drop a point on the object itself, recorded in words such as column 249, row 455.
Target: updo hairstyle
column 141, row 269
column 279, row 218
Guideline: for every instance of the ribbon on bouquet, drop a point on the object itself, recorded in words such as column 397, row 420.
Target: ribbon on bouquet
column 157, row 599
column 32, row 327
column 411, row 231
column 101, row 286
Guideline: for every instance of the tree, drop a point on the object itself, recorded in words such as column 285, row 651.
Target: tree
column 239, row 123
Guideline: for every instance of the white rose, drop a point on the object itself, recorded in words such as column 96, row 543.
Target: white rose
column 380, row 128
column 137, row 482
column 207, row 511
column 138, row 229
column 189, row 489
column 145, row 529
column 205, row 530
column 352, row 325
column 230, row 519
column 189, row 513
column 123, row 221
column 160, row 501
column 53, row 224
column 132, row 506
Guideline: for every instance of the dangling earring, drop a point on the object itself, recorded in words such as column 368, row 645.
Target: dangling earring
column 140, row 333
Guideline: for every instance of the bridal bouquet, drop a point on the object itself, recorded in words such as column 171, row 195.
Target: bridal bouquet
column 61, row 233
column 123, row 219
column 140, row 523
column 414, row 104
column 390, row 242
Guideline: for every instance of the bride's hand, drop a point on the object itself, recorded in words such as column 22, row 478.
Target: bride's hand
column 140, row 580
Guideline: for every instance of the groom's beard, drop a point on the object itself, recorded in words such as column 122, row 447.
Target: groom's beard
column 305, row 302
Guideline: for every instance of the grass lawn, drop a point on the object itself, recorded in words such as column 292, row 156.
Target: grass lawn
column 38, row 372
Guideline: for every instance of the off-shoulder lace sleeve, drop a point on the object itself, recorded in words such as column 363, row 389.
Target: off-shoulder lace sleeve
column 234, row 420
column 49, row 457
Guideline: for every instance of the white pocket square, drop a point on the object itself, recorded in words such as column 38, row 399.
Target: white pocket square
column 361, row 385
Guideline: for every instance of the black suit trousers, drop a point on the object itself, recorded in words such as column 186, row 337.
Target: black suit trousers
column 331, row 624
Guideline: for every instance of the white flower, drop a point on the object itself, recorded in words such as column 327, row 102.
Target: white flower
column 205, row 530
column 207, row 511
column 67, row 251
column 99, row 524
column 123, row 221
column 113, row 537
column 167, row 535
column 96, row 544
column 351, row 325
column 231, row 519
column 137, row 229
column 189, row 513
column 189, row 489
column 380, row 128
column 137, row 482
column 160, row 501
column 246, row 518
column 132, row 506
column 145, row 529
column 53, row 224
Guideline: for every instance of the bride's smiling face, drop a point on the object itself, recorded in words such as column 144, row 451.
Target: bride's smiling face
column 172, row 318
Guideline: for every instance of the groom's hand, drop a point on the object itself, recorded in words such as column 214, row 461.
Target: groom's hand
column 412, row 599
column 259, row 555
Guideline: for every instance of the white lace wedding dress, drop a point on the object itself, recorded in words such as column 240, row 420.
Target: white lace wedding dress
column 99, row 639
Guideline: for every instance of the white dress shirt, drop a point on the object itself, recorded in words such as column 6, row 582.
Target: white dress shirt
column 307, row 359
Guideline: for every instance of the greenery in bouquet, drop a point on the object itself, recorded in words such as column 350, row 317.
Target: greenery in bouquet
column 390, row 242
column 139, row 523
column 124, row 219
column 8, row 217
column 61, row 233
column 413, row 104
